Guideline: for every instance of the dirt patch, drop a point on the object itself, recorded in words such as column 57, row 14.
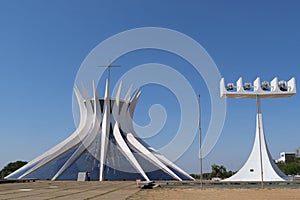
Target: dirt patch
column 217, row 193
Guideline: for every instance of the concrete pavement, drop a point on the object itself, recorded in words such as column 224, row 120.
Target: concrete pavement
column 68, row 190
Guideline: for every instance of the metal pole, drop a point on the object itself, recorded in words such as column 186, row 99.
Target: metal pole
column 259, row 139
column 108, row 73
column 200, row 141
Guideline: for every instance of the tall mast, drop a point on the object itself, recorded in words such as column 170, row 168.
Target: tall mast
column 108, row 76
column 200, row 141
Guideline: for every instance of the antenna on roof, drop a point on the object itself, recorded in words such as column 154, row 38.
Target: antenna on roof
column 108, row 68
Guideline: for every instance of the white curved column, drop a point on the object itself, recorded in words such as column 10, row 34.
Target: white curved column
column 123, row 122
column 150, row 156
column 116, row 109
column 126, row 114
column 118, row 94
column 128, row 94
column 105, row 131
column 62, row 147
column 127, row 152
column 134, row 102
column 70, row 161
column 169, row 163
column 91, row 136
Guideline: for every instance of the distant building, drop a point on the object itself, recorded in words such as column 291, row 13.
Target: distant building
column 298, row 153
column 287, row 156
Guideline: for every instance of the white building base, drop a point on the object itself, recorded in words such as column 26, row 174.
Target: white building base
column 260, row 166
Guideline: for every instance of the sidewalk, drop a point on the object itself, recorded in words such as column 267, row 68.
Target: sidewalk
column 68, row 190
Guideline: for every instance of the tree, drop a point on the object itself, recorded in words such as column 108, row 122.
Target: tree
column 290, row 168
column 205, row 176
column 216, row 171
column 220, row 171
column 11, row 167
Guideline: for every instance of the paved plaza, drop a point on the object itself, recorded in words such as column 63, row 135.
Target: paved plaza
column 68, row 190
column 118, row 190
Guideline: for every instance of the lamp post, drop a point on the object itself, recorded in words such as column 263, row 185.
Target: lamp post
column 200, row 143
column 259, row 166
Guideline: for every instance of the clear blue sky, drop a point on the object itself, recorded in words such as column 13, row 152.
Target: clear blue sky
column 43, row 43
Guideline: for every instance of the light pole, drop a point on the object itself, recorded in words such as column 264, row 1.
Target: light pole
column 200, row 142
column 260, row 166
